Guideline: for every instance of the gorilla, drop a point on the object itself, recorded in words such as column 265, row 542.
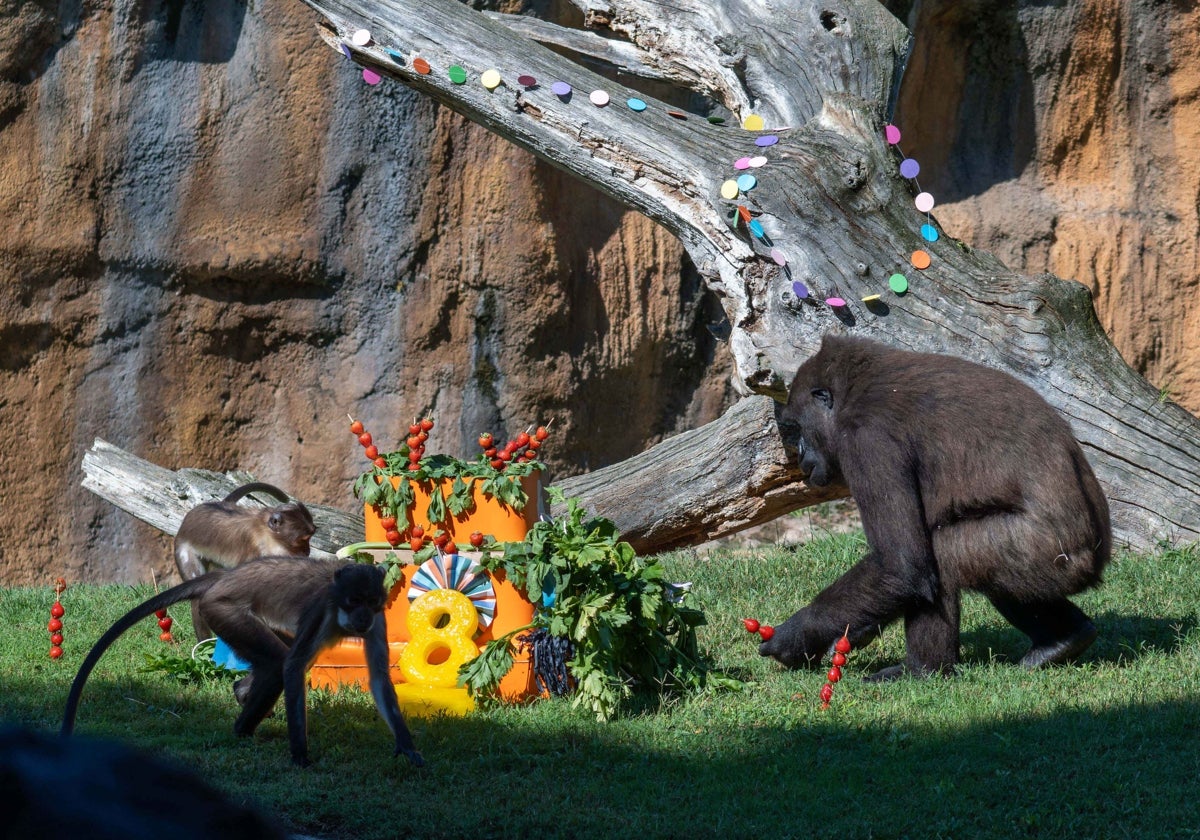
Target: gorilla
column 965, row 478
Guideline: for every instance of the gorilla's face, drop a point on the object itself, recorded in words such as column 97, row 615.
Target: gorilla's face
column 807, row 423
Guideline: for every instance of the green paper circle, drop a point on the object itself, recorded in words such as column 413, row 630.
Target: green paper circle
column 898, row 283
column 457, row 74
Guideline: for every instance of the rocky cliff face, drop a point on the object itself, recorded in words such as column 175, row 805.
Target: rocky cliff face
column 1065, row 137
column 217, row 241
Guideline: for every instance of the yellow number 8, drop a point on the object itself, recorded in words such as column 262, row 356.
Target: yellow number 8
column 424, row 615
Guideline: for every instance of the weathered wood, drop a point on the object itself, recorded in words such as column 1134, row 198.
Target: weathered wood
column 709, row 482
column 161, row 497
column 831, row 199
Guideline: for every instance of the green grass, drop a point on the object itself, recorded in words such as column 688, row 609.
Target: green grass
column 1107, row 748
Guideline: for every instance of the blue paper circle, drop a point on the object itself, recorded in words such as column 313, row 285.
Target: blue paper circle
column 909, row 168
column 800, row 289
column 635, row 104
column 746, row 182
column 757, row 229
column 929, row 233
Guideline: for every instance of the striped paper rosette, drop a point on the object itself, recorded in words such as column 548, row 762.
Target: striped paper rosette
column 453, row 571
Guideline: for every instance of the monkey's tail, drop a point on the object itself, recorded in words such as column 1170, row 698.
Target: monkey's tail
column 183, row 592
column 256, row 487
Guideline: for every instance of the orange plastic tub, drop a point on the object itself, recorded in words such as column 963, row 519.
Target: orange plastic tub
column 489, row 516
column 345, row 663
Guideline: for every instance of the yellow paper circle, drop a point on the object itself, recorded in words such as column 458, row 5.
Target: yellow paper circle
column 490, row 79
column 729, row 190
column 753, row 122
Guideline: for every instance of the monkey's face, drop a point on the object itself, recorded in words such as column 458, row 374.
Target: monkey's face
column 293, row 527
column 360, row 597
column 807, row 423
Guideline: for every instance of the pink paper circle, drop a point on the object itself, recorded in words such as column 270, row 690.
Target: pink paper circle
column 924, row 202
column 371, row 77
column 742, row 163
column 778, row 256
column 599, row 98
column 835, row 302
column 892, row 134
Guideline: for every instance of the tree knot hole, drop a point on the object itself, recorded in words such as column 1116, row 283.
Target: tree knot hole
column 832, row 21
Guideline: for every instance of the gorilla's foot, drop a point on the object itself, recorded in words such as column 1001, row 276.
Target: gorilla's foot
column 1063, row 650
column 893, row 672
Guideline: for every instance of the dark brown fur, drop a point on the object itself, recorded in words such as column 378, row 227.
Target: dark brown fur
column 965, row 478
column 278, row 613
column 221, row 535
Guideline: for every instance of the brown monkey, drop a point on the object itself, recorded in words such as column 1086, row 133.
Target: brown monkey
column 278, row 613
column 220, row 535
column 965, row 478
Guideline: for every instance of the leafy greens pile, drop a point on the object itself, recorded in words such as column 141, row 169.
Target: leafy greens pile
column 629, row 628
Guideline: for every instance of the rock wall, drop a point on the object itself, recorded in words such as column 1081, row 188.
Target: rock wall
column 217, row 241
column 1065, row 137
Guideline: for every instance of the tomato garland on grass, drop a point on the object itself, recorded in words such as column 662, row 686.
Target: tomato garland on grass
column 840, row 649
column 55, row 625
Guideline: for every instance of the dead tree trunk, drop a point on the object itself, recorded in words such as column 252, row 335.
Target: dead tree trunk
column 661, row 499
column 830, row 201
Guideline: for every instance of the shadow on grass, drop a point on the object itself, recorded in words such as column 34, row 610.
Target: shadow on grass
column 548, row 771
column 1123, row 639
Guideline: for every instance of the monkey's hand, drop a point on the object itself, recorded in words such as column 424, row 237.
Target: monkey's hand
column 414, row 757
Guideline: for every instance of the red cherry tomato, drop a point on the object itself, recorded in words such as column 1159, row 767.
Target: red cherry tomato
column 485, row 440
column 415, row 543
column 165, row 623
column 835, row 674
column 751, row 624
column 393, row 537
column 476, row 539
column 497, row 464
column 826, row 692
column 165, row 636
column 426, row 424
column 450, row 548
column 388, row 522
column 56, row 639
column 417, row 531
column 54, row 625
column 381, row 462
column 843, row 645
column 541, row 433
column 356, row 428
column 159, row 613
column 55, row 652
column 522, row 439
column 57, row 610
column 414, row 429
column 766, row 631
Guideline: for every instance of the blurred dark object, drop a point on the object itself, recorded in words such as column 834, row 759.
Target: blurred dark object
column 83, row 787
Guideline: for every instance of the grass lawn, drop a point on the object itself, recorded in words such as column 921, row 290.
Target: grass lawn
column 1106, row 748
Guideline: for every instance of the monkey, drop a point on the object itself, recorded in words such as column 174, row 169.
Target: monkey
column 278, row 613
column 224, row 534
column 965, row 478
